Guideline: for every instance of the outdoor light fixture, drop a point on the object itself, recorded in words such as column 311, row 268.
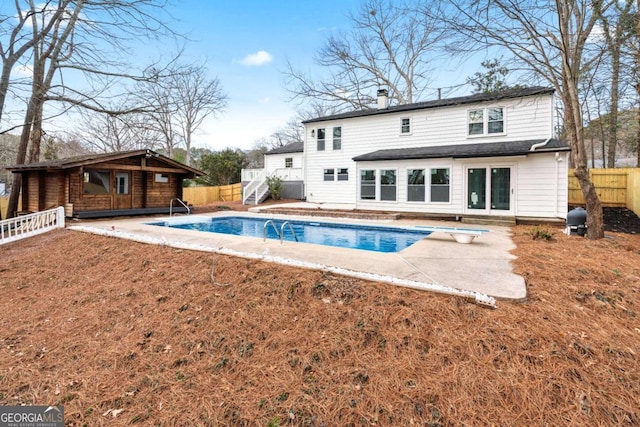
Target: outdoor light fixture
column 313, row 133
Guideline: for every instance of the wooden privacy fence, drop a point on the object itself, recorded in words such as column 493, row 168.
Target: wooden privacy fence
column 619, row 187
column 201, row 196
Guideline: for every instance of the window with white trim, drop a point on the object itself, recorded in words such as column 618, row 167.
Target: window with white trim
column 367, row 184
column 343, row 174
column 486, row 121
column 388, row 184
column 329, row 174
column 440, row 185
column 320, row 139
column 337, row 138
column 405, row 125
column 288, row 162
column 415, row 185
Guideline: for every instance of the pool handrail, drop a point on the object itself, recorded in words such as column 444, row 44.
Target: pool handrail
column 182, row 203
column 264, row 229
column 290, row 228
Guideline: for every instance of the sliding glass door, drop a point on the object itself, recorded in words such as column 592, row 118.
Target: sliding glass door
column 489, row 190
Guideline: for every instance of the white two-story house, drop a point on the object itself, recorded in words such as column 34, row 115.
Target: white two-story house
column 480, row 155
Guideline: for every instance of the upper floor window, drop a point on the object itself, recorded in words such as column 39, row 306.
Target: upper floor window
column 405, row 126
column 486, row 121
column 288, row 162
column 320, row 139
column 337, row 138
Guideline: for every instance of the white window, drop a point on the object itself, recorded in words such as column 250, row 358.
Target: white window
column 405, row 126
column 388, row 184
column 343, row 174
column 487, row 121
column 440, row 185
column 337, row 138
column 368, row 184
column 288, row 162
column 415, row 185
column 329, row 174
column 320, row 140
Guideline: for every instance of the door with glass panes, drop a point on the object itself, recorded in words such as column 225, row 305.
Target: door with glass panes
column 490, row 190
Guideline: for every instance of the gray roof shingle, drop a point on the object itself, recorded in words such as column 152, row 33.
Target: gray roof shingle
column 480, row 97
column 461, row 151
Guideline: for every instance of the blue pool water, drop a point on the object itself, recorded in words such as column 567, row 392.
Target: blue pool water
column 370, row 238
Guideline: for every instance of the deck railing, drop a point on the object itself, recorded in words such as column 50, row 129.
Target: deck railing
column 29, row 225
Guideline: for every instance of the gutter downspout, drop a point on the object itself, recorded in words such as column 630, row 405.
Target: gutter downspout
column 534, row 147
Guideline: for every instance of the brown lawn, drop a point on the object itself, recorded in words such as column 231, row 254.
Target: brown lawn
column 124, row 333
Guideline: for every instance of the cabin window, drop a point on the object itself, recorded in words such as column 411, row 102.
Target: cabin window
column 96, row 182
column 329, row 174
column 337, row 138
column 320, row 140
column 440, row 185
column 161, row 177
column 415, row 185
column 405, row 126
column 343, row 174
column 388, row 184
column 288, row 162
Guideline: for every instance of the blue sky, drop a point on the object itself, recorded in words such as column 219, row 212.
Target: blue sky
column 227, row 34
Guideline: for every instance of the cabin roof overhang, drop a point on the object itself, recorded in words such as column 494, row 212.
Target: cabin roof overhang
column 89, row 160
column 466, row 151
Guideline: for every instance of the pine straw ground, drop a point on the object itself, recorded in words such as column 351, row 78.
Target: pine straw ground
column 123, row 333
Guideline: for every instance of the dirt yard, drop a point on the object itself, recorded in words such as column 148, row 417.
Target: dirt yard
column 123, row 333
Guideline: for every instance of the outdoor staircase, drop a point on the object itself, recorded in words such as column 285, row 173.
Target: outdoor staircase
column 256, row 191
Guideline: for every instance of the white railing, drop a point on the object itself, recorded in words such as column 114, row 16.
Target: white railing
column 287, row 174
column 29, row 225
column 250, row 174
column 257, row 187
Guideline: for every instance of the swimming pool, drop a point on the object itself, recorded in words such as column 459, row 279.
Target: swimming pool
column 365, row 237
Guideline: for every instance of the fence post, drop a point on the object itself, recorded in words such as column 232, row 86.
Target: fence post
column 60, row 214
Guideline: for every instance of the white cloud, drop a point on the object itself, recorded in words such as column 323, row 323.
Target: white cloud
column 256, row 59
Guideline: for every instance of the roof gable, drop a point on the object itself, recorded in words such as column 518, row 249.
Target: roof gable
column 97, row 158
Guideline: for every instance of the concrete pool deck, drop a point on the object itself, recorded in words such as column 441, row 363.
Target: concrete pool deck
column 436, row 263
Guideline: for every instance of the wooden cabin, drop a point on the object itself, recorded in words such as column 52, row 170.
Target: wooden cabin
column 103, row 185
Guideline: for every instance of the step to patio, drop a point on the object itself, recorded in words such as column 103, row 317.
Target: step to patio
column 503, row 221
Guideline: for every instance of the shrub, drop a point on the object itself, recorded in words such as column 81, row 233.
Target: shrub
column 275, row 187
column 540, row 233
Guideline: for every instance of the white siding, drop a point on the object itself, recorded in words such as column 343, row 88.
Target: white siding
column 275, row 163
column 540, row 181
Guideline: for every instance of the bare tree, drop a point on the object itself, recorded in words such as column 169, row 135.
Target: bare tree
column 182, row 100
column 389, row 46
column 551, row 40
column 109, row 133
column 64, row 35
column 617, row 28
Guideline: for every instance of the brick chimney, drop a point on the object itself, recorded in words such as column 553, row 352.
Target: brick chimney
column 383, row 99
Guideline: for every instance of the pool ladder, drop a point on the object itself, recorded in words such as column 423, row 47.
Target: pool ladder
column 281, row 233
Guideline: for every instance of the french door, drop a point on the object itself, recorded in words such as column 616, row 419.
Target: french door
column 490, row 190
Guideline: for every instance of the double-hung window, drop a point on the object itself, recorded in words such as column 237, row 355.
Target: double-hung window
column 337, row 138
column 405, row 126
column 288, row 162
column 486, row 121
column 367, row 184
column 415, row 185
column 320, row 139
column 343, row 174
column 329, row 174
column 388, row 184
column 440, row 185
